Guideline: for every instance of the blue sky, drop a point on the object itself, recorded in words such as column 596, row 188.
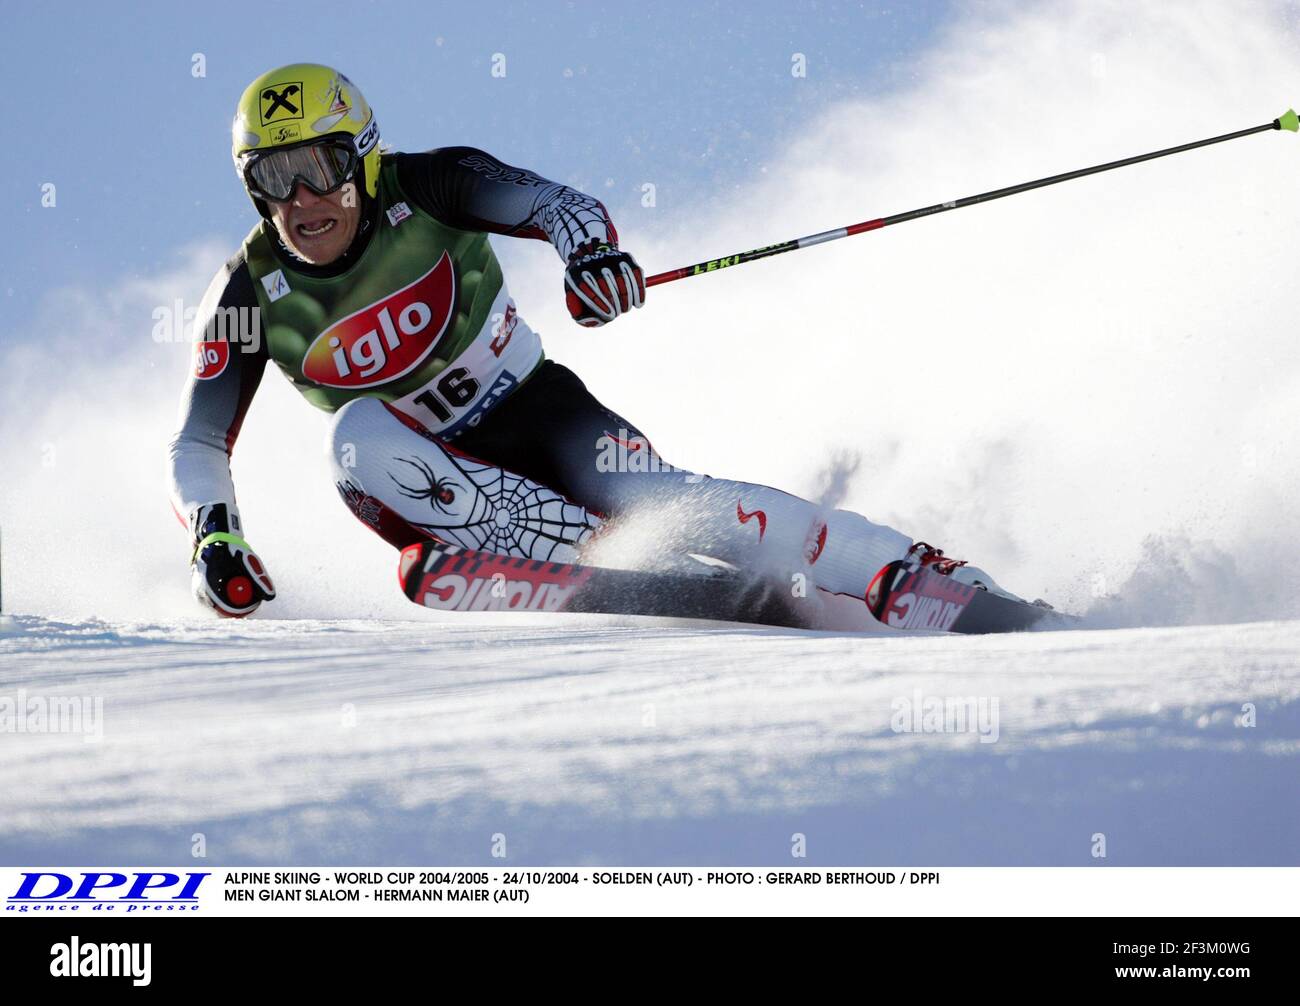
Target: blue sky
column 604, row 95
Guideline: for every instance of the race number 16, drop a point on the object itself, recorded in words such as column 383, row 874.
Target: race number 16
column 456, row 389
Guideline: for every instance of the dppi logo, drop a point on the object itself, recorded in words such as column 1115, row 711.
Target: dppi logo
column 46, row 891
column 210, row 358
column 387, row 339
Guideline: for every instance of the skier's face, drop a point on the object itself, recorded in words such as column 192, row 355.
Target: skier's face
column 318, row 229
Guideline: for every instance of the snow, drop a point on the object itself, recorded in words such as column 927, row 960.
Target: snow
column 635, row 741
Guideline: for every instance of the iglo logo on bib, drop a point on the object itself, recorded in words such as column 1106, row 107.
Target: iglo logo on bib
column 387, row 339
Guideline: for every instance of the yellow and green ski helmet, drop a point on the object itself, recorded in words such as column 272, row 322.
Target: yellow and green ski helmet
column 299, row 104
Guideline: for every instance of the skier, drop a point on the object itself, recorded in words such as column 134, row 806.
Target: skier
column 370, row 282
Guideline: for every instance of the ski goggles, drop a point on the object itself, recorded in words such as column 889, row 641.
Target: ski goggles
column 323, row 165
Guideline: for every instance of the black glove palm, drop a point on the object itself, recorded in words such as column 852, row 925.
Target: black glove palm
column 228, row 576
column 601, row 283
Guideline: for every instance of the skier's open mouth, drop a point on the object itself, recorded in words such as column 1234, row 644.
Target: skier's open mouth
column 316, row 228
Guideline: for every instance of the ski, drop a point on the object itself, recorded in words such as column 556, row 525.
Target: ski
column 905, row 595
column 450, row 578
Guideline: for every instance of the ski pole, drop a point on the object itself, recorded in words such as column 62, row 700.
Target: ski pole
column 1287, row 121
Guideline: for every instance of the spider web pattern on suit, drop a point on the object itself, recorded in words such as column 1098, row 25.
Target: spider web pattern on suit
column 536, row 519
column 571, row 218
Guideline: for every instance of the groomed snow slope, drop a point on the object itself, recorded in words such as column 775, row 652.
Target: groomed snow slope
column 600, row 742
